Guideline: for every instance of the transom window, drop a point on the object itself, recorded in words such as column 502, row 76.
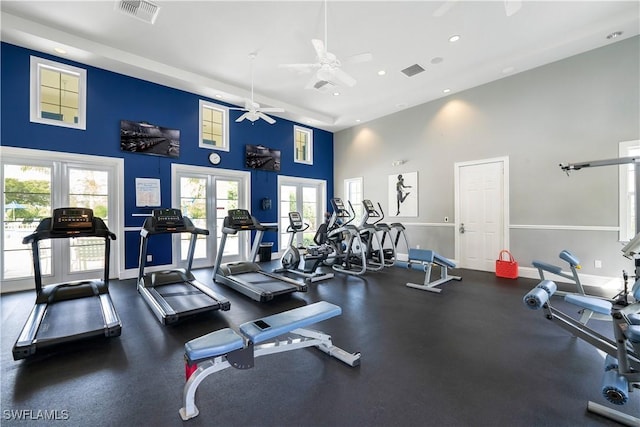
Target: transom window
column 214, row 125
column 303, row 145
column 58, row 94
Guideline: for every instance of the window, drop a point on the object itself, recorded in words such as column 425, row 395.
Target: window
column 627, row 197
column 58, row 94
column 353, row 193
column 303, row 145
column 214, row 126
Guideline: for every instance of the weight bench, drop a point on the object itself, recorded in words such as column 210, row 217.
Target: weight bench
column 622, row 363
column 226, row 348
column 423, row 260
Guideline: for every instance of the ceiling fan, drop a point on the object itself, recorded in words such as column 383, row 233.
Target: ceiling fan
column 328, row 72
column 511, row 7
column 252, row 110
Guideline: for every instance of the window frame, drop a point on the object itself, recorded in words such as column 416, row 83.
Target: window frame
column 624, row 211
column 202, row 104
column 309, row 148
column 35, row 107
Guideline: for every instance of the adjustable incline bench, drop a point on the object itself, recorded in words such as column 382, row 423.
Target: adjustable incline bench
column 421, row 259
column 226, row 348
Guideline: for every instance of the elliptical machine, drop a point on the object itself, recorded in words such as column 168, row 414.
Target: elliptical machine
column 311, row 259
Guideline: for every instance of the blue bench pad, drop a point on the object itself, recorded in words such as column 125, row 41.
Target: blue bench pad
column 547, row 267
column 214, row 344
column 429, row 256
column 569, row 257
column 595, row 304
column 633, row 333
column 287, row 321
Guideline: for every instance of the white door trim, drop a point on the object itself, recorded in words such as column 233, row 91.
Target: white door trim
column 505, row 200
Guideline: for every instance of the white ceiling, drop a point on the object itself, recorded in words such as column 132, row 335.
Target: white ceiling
column 204, row 46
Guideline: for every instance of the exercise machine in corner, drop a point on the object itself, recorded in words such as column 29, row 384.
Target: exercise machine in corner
column 247, row 277
column 174, row 294
column 68, row 311
column 310, row 257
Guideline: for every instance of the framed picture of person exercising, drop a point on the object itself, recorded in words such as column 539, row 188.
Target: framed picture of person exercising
column 403, row 194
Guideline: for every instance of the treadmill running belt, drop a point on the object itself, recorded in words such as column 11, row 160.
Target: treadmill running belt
column 67, row 319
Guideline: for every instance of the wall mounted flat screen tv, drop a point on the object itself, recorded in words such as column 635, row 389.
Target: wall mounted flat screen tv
column 142, row 137
column 262, row 158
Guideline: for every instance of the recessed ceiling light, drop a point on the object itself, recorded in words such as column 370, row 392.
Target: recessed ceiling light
column 60, row 50
column 508, row 70
column 614, row 35
column 336, row 93
column 218, row 96
column 454, row 38
column 357, row 120
column 436, row 60
column 447, row 90
column 382, row 72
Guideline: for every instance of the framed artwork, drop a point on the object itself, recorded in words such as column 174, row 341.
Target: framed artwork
column 403, row 194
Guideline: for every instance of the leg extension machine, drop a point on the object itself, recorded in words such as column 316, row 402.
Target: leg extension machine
column 622, row 363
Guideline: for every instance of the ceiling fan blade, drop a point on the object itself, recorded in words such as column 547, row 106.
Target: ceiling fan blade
column 343, row 78
column 237, row 109
column 266, row 118
column 444, row 8
column 301, row 68
column 272, row 110
column 242, row 117
column 360, row 58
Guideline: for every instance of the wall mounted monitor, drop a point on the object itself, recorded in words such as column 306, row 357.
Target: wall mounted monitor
column 145, row 138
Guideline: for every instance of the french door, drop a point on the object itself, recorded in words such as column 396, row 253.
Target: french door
column 303, row 195
column 36, row 182
column 205, row 195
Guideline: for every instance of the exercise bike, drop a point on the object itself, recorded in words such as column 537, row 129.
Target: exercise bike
column 313, row 256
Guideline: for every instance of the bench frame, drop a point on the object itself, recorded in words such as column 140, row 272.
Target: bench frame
column 422, row 259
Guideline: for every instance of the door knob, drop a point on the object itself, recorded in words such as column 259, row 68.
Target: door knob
column 461, row 229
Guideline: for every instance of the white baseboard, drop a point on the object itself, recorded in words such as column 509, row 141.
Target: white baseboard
column 585, row 279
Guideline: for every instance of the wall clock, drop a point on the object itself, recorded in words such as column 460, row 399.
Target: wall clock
column 214, row 158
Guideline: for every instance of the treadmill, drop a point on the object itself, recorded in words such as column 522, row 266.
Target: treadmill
column 247, row 277
column 174, row 294
column 71, row 311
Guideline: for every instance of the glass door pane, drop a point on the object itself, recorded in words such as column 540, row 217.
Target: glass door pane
column 193, row 203
column 26, row 200
column 288, row 203
column 227, row 192
column 309, row 214
column 88, row 189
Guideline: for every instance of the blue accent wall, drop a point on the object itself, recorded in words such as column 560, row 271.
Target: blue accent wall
column 112, row 97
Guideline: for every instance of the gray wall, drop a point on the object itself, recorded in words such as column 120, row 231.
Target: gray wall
column 572, row 110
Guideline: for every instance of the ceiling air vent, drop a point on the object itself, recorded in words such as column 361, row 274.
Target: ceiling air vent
column 413, row 70
column 141, row 9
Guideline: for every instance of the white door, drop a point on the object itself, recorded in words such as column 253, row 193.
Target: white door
column 204, row 195
column 481, row 213
column 303, row 195
column 34, row 183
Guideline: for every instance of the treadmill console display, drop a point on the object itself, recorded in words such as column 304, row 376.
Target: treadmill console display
column 240, row 218
column 167, row 218
column 71, row 220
